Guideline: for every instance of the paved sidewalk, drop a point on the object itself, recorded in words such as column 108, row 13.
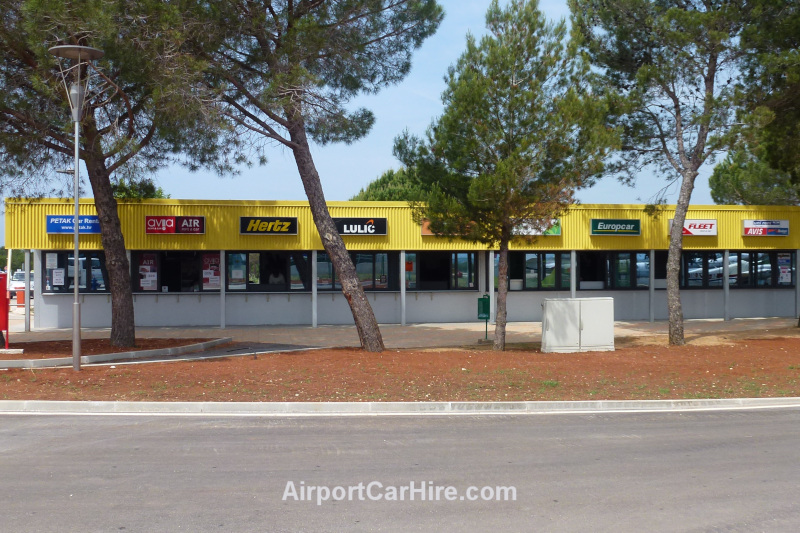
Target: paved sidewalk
column 430, row 335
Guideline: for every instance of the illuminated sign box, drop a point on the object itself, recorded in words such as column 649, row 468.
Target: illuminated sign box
column 89, row 224
column 361, row 226
column 170, row 225
column 268, row 225
column 765, row 228
column 616, row 226
column 698, row 228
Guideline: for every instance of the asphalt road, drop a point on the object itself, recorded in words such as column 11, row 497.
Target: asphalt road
column 692, row 471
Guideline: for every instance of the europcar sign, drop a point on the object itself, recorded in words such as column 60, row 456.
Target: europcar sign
column 173, row 225
column 765, row 228
column 268, row 225
column 615, row 226
column 360, row 226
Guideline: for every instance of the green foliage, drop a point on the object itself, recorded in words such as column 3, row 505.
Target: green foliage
column 743, row 179
column 771, row 85
column 392, row 186
column 520, row 130
column 137, row 190
column 669, row 65
column 285, row 61
column 147, row 110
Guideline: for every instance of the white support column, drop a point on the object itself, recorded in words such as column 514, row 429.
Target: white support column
column 726, row 287
column 651, row 287
column 796, row 281
column 313, row 288
column 27, row 290
column 223, row 278
column 402, row 287
column 492, row 302
column 573, row 274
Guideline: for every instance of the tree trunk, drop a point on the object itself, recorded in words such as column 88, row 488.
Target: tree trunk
column 502, row 296
column 368, row 331
column 674, row 307
column 123, row 329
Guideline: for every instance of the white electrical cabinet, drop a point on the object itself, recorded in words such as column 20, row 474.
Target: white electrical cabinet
column 578, row 325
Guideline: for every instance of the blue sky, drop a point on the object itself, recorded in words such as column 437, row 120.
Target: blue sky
column 345, row 169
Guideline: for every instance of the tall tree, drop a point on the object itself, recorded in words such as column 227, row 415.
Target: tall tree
column 146, row 112
column 671, row 61
column 286, row 72
column 771, row 83
column 742, row 178
column 520, row 131
column 392, row 186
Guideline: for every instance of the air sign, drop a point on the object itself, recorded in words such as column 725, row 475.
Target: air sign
column 172, row 225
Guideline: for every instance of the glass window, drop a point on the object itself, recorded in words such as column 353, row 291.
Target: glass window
column 548, row 271
column 531, row 271
column 764, row 270
column 59, row 273
column 299, row 271
column 622, row 270
column 237, row 271
column 254, row 268
column 642, row 270
column 693, row 268
column 382, row 268
column 463, row 271
column 411, row 271
column 365, row 269
column 714, row 270
column 565, row 271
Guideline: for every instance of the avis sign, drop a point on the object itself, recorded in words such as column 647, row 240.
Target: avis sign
column 360, row 226
column 171, row 225
column 765, row 228
column 705, row 228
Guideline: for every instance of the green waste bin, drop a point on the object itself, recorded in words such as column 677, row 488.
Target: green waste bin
column 483, row 307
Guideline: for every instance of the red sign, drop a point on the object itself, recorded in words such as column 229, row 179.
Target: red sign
column 184, row 225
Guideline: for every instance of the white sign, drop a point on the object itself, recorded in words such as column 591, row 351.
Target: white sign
column 50, row 261
column 698, row 227
column 765, row 228
column 58, row 277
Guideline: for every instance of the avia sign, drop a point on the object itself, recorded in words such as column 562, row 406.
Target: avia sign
column 698, row 227
column 361, row 226
column 612, row 226
column 268, row 225
column 172, row 225
column 89, row 224
column 765, row 228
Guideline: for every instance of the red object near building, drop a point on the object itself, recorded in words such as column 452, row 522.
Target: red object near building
column 4, row 307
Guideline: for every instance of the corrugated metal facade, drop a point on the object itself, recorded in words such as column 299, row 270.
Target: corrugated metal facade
column 26, row 227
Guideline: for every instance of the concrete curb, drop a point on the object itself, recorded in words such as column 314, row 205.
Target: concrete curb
column 9, row 407
column 106, row 357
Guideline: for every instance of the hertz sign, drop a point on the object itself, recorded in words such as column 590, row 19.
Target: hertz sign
column 268, row 225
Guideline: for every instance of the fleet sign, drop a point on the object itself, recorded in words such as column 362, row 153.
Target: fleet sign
column 610, row 226
column 172, row 225
column 360, row 226
column 268, row 225
column 698, row 227
column 66, row 224
column 766, row 228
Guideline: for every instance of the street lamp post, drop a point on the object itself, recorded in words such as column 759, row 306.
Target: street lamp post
column 76, row 94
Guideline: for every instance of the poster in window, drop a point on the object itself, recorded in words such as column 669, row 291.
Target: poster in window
column 148, row 276
column 58, row 277
column 211, row 274
column 785, row 268
column 50, row 261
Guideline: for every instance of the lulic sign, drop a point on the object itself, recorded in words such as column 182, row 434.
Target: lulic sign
column 361, row 226
column 171, row 225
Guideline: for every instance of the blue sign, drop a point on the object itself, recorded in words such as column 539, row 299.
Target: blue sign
column 66, row 224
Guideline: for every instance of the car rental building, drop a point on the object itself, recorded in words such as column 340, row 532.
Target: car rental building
column 234, row 263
